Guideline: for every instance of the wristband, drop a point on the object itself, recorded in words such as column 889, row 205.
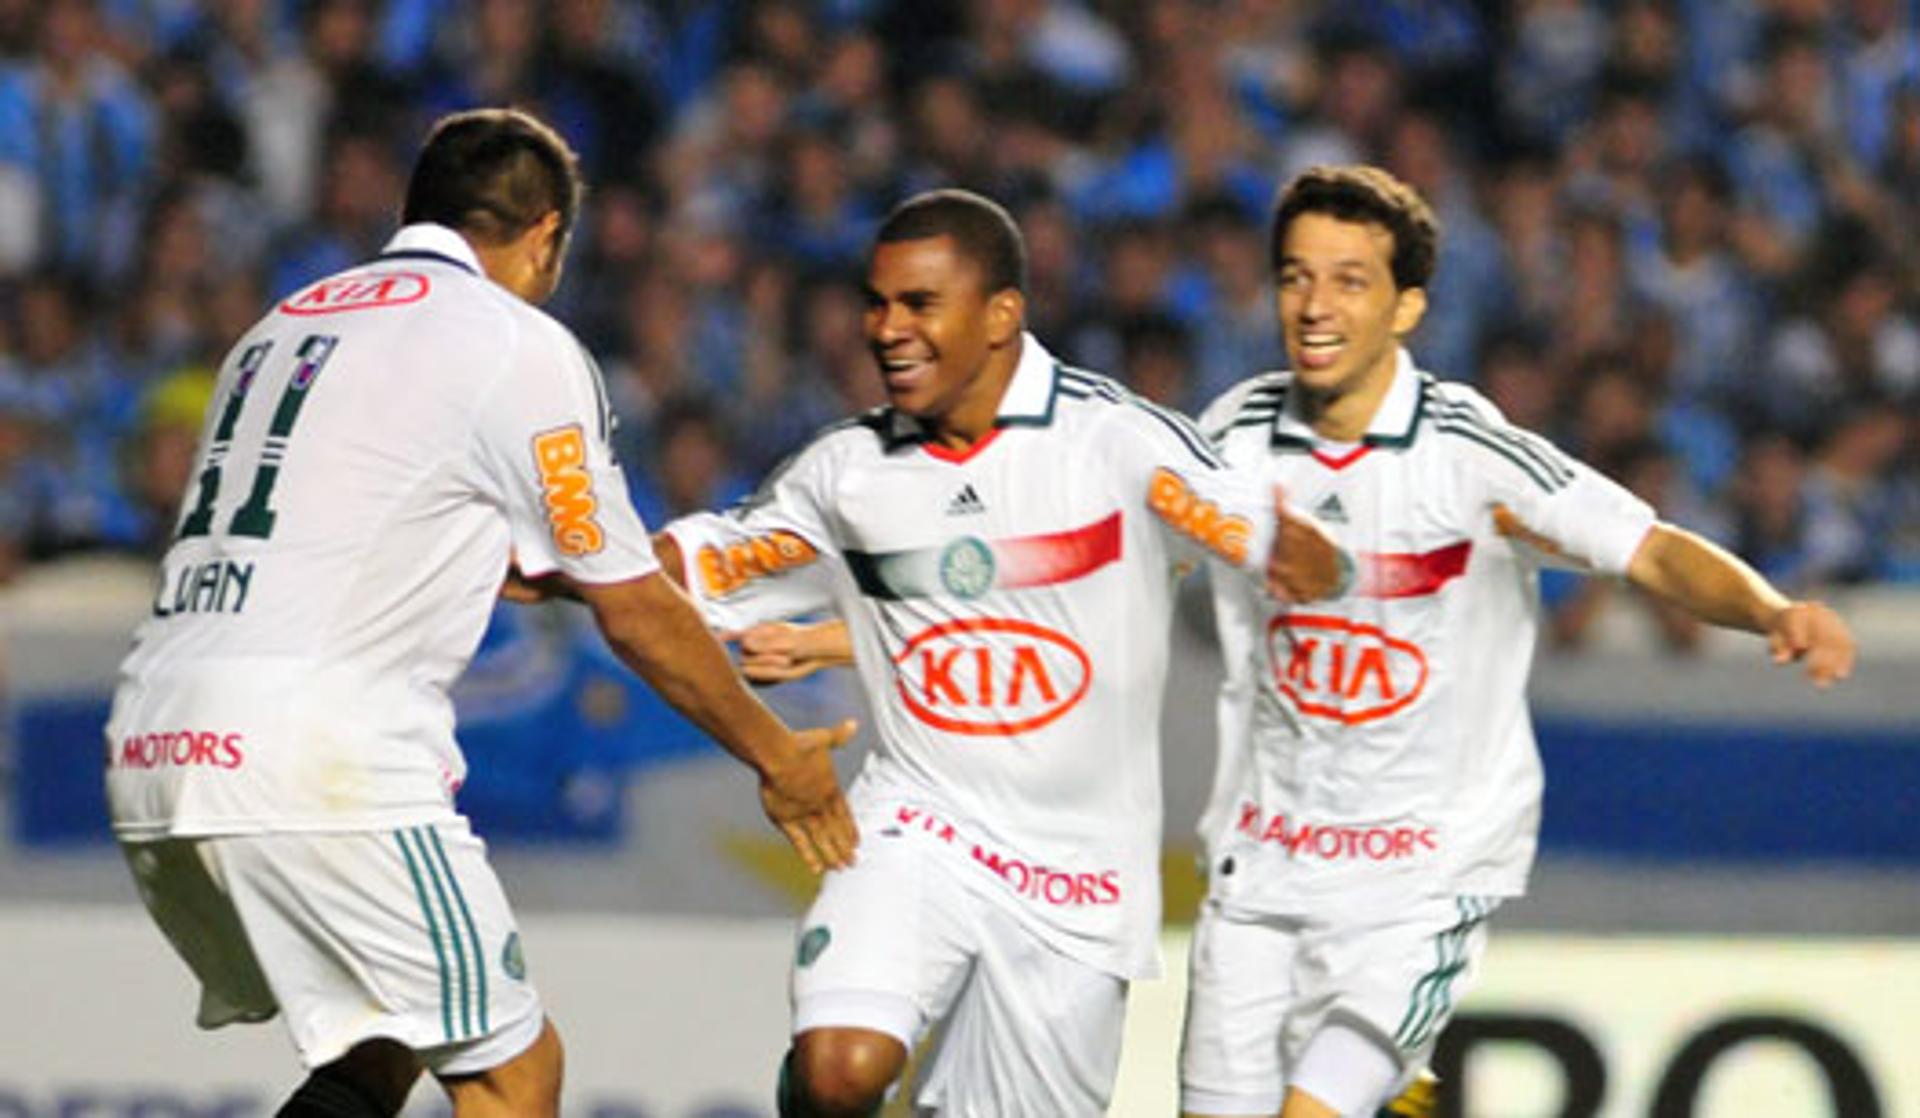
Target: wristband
column 1349, row 573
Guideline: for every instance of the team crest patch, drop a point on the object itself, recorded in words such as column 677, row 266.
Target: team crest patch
column 966, row 568
column 812, row 944
column 512, row 959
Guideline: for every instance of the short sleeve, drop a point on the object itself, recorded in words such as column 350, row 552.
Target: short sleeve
column 772, row 556
column 542, row 450
column 1201, row 504
column 1583, row 515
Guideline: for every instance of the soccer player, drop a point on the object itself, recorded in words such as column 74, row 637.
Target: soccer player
column 1378, row 794
column 281, row 766
column 1003, row 539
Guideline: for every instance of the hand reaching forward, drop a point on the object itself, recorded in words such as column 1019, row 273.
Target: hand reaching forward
column 1813, row 633
column 802, row 797
column 1304, row 564
column 780, row 651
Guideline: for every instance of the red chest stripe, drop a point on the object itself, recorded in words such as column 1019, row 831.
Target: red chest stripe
column 1409, row 575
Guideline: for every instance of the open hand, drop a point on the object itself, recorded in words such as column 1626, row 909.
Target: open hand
column 802, row 797
column 1813, row 633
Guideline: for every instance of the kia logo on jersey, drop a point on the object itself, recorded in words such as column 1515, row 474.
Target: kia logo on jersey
column 991, row 676
column 1348, row 671
column 358, row 293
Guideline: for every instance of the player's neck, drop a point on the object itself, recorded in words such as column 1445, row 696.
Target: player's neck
column 976, row 415
column 1344, row 414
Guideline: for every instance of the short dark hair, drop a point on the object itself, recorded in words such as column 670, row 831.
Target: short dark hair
column 1361, row 193
column 493, row 173
column 981, row 227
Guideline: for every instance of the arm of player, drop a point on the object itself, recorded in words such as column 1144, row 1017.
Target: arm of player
column 673, row 561
column 657, row 632
column 523, row 589
column 783, row 651
column 1717, row 587
column 1238, row 520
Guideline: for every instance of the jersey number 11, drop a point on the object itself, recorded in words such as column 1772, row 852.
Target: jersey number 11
column 255, row 517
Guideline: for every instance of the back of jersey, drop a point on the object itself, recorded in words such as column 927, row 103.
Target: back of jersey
column 336, row 561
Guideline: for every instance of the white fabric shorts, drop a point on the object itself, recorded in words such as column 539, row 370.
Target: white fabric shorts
column 402, row 934
column 898, row 943
column 1259, row 989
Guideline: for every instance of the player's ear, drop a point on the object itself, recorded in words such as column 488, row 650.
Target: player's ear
column 1409, row 307
column 548, row 231
column 1006, row 316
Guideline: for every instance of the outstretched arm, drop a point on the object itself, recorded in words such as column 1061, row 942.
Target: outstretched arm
column 1717, row 587
column 658, row 633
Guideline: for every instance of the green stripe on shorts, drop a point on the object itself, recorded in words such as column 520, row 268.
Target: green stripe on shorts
column 1432, row 997
column 433, row 934
column 453, row 933
column 473, row 932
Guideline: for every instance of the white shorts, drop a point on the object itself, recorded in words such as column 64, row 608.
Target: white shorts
column 898, row 943
column 1259, row 989
column 401, row 934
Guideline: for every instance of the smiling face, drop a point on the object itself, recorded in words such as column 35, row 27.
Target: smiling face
column 946, row 346
column 1340, row 311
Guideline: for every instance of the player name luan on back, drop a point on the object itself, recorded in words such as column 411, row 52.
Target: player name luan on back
column 216, row 586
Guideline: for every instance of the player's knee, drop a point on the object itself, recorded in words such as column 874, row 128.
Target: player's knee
column 527, row 1086
column 539, row 1070
column 842, row 1073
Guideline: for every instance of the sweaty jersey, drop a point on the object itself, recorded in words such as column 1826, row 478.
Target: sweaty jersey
column 378, row 448
column 1378, row 748
column 1009, row 609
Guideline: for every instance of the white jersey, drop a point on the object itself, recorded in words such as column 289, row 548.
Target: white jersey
column 1009, row 610
column 1378, row 748
column 379, row 446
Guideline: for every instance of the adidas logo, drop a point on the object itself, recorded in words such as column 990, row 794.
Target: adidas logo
column 1331, row 510
column 966, row 502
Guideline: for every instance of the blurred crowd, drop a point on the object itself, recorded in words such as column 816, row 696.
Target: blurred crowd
column 1680, row 235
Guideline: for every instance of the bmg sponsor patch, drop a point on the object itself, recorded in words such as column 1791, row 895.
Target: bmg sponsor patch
column 723, row 570
column 567, row 490
column 1173, row 500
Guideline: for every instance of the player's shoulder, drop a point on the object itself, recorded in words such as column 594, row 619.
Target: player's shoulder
column 1082, row 385
column 1081, row 394
column 1097, row 411
column 1472, row 431
column 1454, row 400
column 534, row 325
column 1460, row 413
column 866, row 435
column 1253, row 402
